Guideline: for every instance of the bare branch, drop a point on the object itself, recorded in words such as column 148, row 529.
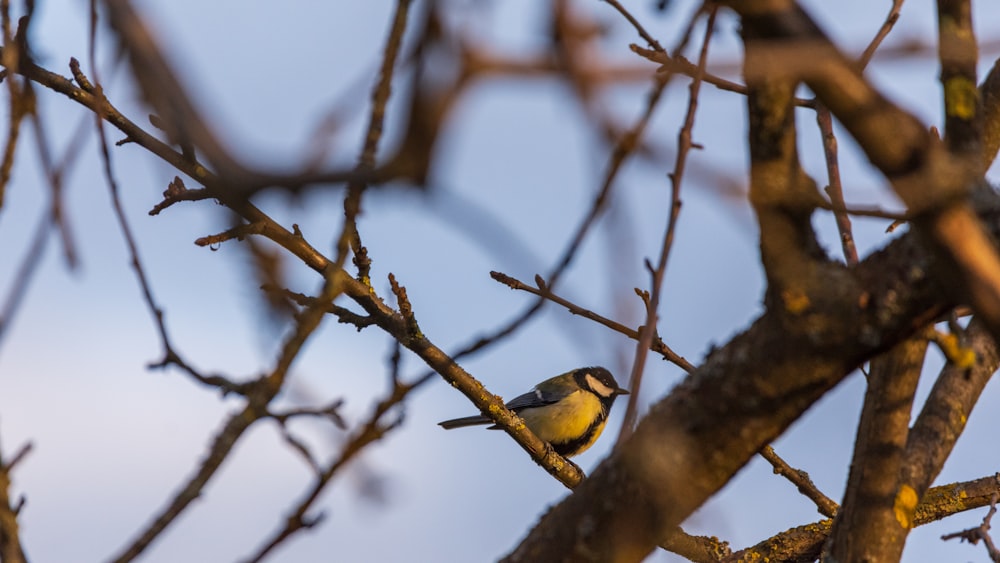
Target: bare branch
column 883, row 32
column 802, row 481
column 684, row 145
column 543, row 291
column 980, row 533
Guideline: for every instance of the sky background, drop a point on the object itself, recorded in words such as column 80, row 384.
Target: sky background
column 113, row 440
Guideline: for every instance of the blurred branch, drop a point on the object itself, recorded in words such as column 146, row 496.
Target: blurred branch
column 989, row 97
column 372, row 430
column 783, row 199
column 688, row 433
column 868, row 525
column 330, row 412
column 883, row 32
column 639, row 28
column 384, row 316
column 170, row 354
column 23, row 275
column 163, row 91
column 239, row 181
column 54, row 173
column 783, row 196
column 875, row 212
column 679, row 65
column 258, row 395
column 959, row 55
column 933, row 183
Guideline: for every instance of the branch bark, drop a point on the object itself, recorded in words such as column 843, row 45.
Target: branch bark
column 750, row 390
column 868, row 526
column 744, row 395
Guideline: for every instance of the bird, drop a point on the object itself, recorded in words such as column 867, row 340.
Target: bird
column 568, row 411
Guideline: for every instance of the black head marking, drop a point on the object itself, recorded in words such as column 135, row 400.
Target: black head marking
column 598, row 381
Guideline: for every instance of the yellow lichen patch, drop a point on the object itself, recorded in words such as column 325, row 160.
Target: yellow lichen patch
column 961, row 97
column 796, row 302
column 905, row 506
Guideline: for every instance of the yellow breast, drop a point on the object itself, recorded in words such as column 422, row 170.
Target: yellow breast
column 567, row 420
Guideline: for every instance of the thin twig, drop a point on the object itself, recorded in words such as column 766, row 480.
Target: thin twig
column 875, row 212
column 980, row 533
column 54, row 173
column 349, row 235
column 170, row 354
column 826, row 506
column 883, row 31
column 652, row 42
column 258, row 395
column 24, row 274
column 620, row 153
column 834, row 189
column 684, row 145
column 679, row 65
column 543, row 290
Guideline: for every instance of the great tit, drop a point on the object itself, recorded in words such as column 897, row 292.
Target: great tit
column 568, row 411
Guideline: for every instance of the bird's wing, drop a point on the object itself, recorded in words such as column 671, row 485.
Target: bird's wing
column 533, row 398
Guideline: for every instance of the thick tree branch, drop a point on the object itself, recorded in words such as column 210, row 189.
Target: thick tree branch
column 868, row 526
column 959, row 54
column 989, row 95
column 932, row 182
column 946, row 411
column 761, row 381
column 802, row 544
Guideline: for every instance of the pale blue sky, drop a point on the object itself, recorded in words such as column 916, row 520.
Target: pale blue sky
column 113, row 440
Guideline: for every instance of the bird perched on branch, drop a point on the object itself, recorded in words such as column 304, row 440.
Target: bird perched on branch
column 568, row 411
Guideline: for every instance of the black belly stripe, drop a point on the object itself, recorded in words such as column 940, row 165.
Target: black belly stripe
column 573, row 446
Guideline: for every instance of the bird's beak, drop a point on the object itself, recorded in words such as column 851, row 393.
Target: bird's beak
column 621, row 391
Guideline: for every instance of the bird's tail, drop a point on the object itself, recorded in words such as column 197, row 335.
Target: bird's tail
column 465, row 421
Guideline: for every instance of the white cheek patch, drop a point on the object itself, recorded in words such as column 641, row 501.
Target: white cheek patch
column 598, row 387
